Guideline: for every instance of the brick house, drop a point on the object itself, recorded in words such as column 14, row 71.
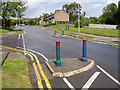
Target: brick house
column 59, row 16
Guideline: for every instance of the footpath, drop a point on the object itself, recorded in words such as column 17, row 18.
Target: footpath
column 99, row 39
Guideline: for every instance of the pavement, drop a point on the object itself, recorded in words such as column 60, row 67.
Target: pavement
column 69, row 67
column 99, row 39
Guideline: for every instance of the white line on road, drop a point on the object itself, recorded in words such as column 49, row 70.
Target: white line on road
column 90, row 81
column 36, row 53
column 68, row 83
column 19, row 36
column 22, row 35
column 24, row 45
column 115, row 80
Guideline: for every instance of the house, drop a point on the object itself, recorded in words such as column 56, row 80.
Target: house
column 59, row 16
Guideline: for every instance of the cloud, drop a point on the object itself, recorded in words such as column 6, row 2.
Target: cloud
column 91, row 7
column 35, row 9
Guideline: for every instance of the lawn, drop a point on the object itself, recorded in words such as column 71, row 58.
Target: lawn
column 88, row 30
column 15, row 74
column 4, row 30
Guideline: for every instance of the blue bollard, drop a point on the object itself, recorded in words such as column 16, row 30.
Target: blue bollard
column 84, row 59
column 62, row 31
column 58, row 61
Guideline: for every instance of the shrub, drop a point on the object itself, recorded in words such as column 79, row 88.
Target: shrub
column 54, row 23
column 20, row 29
column 81, row 22
column 46, row 25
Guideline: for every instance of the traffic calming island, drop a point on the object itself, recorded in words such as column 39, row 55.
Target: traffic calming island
column 64, row 67
column 55, row 34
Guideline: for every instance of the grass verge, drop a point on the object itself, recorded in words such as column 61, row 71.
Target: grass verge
column 88, row 30
column 15, row 74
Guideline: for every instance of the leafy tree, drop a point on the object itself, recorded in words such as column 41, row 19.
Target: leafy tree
column 108, row 13
column 44, row 16
column 72, row 9
column 32, row 22
column 93, row 20
column 110, row 8
column 81, row 22
column 116, row 16
column 12, row 9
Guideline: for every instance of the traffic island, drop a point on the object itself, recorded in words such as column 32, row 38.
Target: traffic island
column 69, row 67
column 58, row 35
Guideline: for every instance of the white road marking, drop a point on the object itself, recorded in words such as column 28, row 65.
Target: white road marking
column 68, row 83
column 24, row 44
column 19, row 36
column 36, row 53
column 24, row 32
column 115, row 80
column 90, row 81
column 22, row 35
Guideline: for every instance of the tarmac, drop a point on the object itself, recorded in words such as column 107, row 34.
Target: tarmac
column 69, row 66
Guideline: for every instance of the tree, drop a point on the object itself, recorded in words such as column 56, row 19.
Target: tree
column 72, row 9
column 116, row 16
column 81, row 22
column 110, row 8
column 108, row 13
column 44, row 16
column 12, row 9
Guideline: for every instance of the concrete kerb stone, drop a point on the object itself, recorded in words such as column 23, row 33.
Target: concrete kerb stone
column 70, row 73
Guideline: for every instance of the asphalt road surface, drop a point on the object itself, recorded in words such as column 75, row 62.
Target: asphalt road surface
column 104, row 55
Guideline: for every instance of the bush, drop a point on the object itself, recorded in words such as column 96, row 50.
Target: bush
column 46, row 25
column 53, row 23
column 20, row 29
column 81, row 22
column 12, row 27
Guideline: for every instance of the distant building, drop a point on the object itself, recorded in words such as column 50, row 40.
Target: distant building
column 26, row 19
column 59, row 16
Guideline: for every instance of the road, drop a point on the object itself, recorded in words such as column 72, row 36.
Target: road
column 104, row 55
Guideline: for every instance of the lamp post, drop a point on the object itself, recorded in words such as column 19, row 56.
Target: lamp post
column 78, row 19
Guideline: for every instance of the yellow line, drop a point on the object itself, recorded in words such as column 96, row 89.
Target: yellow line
column 42, row 73
column 37, row 73
column 34, row 65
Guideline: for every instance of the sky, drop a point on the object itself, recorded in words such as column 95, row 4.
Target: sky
column 91, row 7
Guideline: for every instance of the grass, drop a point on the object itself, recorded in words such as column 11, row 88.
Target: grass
column 73, row 34
column 14, row 74
column 88, row 30
column 4, row 30
column 19, row 32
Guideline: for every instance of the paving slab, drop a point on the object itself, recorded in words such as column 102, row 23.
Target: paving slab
column 69, row 66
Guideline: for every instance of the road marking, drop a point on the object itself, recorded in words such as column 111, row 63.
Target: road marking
column 37, row 73
column 40, row 68
column 34, row 65
column 42, row 72
column 90, row 81
column 24, row 44
column 19, row 36
column 115, row 80
column 36, row 53
column 68, row 83
column 22, row 35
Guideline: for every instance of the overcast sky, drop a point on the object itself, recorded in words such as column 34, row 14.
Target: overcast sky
column 91, row 7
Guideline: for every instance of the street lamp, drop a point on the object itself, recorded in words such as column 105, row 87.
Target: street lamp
column 78, row 19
